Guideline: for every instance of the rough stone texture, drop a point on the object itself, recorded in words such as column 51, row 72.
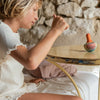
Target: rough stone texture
column 92, row 13
column 57, row 2
column 90, row 3
column 82, row 26
column 33, row 35
column 70, row 9
column 96, row 37
column 41, row 21
column 77, row 1
column 83, row 16
column 77, row 32
column 40, row 30
column 49, row 9
column 49, row 22
column 69, row 21
column 61, row 1
column 27, row 37
column 69, row 31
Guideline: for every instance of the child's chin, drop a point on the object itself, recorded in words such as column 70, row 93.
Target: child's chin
column 28, row 27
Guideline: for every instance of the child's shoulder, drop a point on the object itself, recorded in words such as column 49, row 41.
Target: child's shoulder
column 4, row 28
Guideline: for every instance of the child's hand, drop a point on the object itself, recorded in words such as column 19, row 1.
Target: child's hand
column 36, row 80
column 59, row 24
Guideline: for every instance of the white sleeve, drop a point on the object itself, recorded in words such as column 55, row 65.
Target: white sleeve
column 8, row 42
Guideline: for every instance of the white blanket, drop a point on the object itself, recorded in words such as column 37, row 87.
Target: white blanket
column 87, row 83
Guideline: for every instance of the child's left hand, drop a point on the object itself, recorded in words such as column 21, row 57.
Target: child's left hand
column 36, row 80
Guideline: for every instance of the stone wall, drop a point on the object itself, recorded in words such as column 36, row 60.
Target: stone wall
column 83, row 16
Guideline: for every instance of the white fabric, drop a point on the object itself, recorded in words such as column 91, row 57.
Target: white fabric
column 87, row 83
column 8, row 40
column 11, row 76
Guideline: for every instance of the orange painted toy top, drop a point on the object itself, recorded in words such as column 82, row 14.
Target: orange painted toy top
column 88, row 38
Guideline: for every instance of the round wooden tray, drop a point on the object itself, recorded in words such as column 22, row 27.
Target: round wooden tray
column 75, row 54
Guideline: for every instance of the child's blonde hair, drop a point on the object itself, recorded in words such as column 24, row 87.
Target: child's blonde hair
column 13, row 8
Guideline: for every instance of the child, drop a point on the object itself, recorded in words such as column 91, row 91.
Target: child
column 14, row 55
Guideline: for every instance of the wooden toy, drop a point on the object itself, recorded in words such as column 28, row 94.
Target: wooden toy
column 90, row 45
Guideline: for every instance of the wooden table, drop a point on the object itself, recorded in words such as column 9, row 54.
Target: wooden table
column 75, row 54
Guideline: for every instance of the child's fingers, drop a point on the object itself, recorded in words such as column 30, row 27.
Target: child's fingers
column 54, row 15
column 32, row 81
column 43, row 80
column 67, row 27
column 37, row 80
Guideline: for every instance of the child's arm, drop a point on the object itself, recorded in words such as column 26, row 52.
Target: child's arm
column 32, row 58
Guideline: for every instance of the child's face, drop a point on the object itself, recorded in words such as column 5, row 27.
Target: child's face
column 30, row 18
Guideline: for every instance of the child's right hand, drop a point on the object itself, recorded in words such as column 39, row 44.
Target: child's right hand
column 37, row 80
column 59, row 24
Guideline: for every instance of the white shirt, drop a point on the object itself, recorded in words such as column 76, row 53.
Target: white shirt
column 11, row 76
